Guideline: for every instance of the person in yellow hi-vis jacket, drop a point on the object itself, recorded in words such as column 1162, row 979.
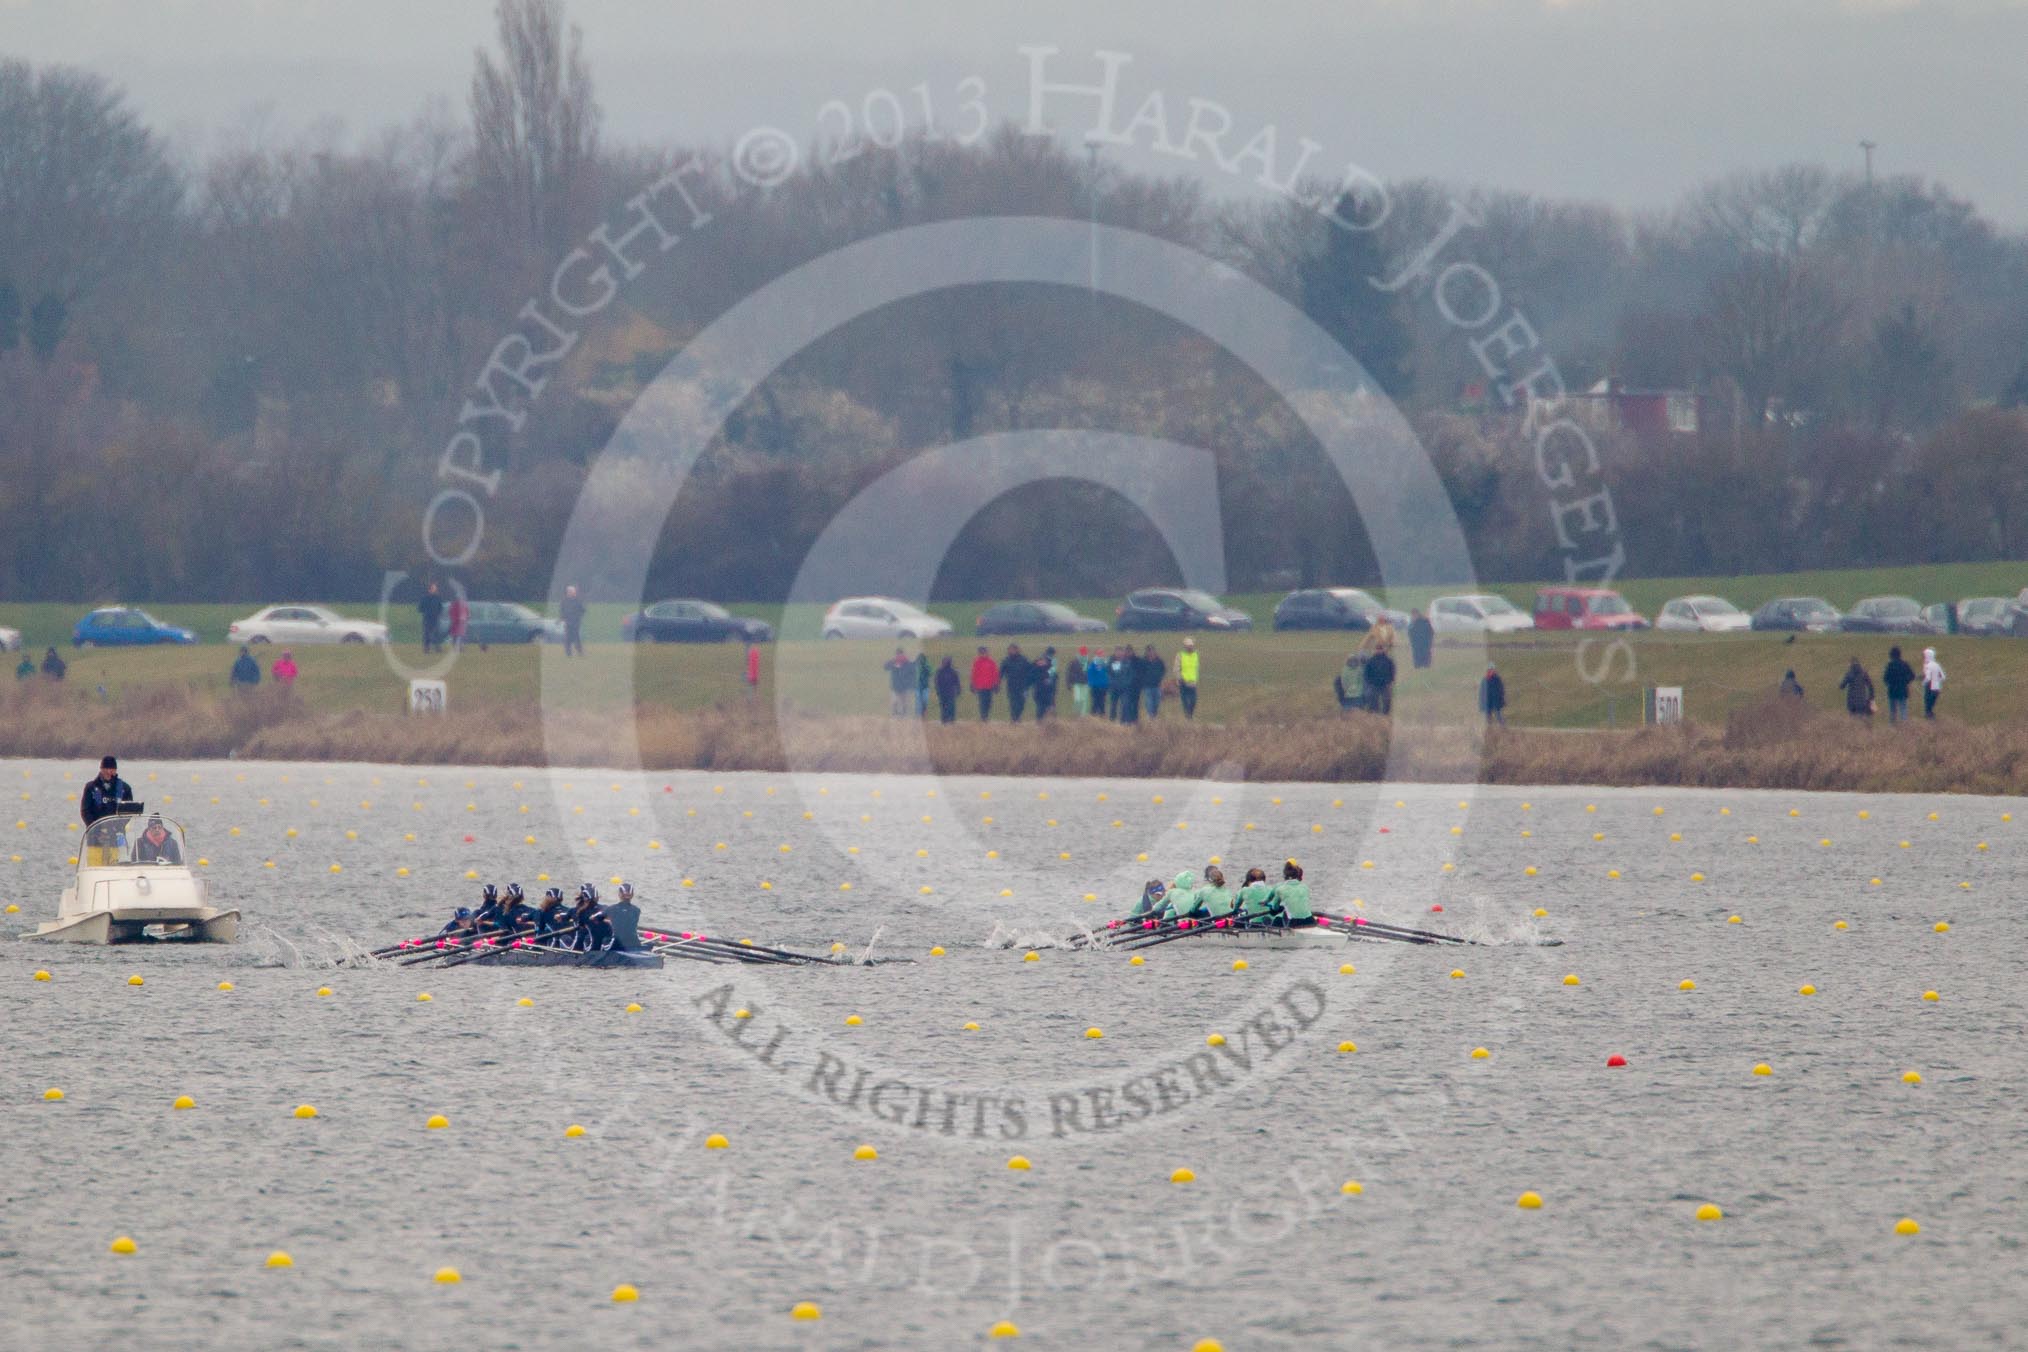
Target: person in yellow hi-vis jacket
column 101, row 798
column 1186, row 677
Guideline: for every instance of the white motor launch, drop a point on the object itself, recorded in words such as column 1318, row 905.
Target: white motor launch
column 134, row 884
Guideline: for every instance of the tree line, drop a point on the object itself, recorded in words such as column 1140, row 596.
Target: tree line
column 231, row 376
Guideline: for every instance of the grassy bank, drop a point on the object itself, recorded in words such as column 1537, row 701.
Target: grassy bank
column 1253, row 678
column 1760, row 746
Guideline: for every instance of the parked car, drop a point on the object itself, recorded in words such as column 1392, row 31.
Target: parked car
column 125, row 627
column 491, row 622
column 10, row 640
column 1887, row 615
column 1702, row 615
column 1178, row 608
column 881, row 617
column 1585, row 608
column 692, row 622
column 1333, row 608
column 303, row 624
column 1798, row 615
column 1477, row 614
column 1992, row 617
column 1035, row 617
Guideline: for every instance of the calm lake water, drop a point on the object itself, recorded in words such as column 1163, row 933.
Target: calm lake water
column 936, row 1240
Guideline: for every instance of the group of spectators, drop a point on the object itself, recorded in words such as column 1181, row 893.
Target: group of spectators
column 1897, row 678
column 1122, row 685
column 246, row 669
column 53, row 667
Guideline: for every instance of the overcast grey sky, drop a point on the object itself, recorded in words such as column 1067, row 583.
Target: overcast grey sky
column 1627, row 101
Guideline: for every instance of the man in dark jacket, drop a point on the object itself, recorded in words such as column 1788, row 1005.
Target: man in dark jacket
column 1153, row 669
column 103, row 795
column 1421, row 638
column 245, row 671
column 1492, row 694
column 1380, row 682
column 948, row 684
column 1042, row 683
column 1127, row 685
column 431, row 609
column 1897, row 676
column 53, row 666
column 1015, row 673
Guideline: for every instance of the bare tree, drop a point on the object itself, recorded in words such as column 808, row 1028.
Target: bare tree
column 535, row 125
column 1773, row 327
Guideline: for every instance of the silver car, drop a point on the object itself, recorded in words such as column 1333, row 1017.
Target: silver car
column 881, row 617
column 303, row 624
column 1703, row 615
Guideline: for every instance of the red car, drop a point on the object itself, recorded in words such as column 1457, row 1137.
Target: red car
column 1584, row 608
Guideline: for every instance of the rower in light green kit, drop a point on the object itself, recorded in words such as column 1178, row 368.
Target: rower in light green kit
column 1149, row 907
column 1182, row 897
column 1256, row 898
column 1214, row 899
column 1293, row 896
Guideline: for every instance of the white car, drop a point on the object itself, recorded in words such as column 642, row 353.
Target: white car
column 1477, row 615
column 1703, row 615
column 303, row 624
column 10, row 640
column 881, row 617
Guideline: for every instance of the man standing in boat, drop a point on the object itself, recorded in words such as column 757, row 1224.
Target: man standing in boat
column 103, row 795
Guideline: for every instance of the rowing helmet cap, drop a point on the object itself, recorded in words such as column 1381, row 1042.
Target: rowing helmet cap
column 514, row 892
column 490, row 893
column 626, row 891
column 586, row 892
column 553, row 894
column 464, row 913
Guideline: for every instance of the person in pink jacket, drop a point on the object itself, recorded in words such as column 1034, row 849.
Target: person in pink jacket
column 284, row 670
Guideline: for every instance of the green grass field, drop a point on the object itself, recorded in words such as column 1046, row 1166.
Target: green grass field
column 1260, row 676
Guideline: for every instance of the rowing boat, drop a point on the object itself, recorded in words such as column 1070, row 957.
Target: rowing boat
column 556, row 957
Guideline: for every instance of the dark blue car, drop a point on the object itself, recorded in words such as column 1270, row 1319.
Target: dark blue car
column 124, row 626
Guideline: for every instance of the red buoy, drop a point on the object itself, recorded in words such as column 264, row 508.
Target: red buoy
column 1616, row 1060
column 1437, row 907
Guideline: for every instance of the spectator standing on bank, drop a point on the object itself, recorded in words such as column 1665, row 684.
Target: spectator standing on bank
column 1153, row 670
column 1080, row 693
column 284, row 670
column 1421, row 638
column 26, row 667
column 985, row 680
column 53, row 666
column 1895, row 678
column 1015, row 672
column 1186, row 677
column 753, row 668
column 1042, row 683
column 431, row 609
column 1380, row 682
column 461, row 615
column 1098, row 675
column 922, row 684
column 1129, row 693
column 246, row 673
column 900, row 682
column 572, row 611
column 1492, row 695
column 947, row 685
column 1858, row 688
column 1791, row 688
column 1932, row 682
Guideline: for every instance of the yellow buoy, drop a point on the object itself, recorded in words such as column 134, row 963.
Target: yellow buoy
column 633, row 1009
column 1907, row 1226
column 1346, row 969
column 1708, row 1212
column 805, row 1309
column 1570, row 980
column 1696, row 877
column 1003, row 1329
column 524, row 1002
column 279, row 1259
column 1931, row 996
column 41, row 975
column 1529, row 1201
column 1763, row 1068
column 183, row 1101
column 125, row 1244
column 742, row 1013
column 305, row 1111
column 1911, row 1077
column 423, row 997
column 1137, row 961
column 716, row 1141
column 225, row 985
column 625, row 1295
column 866, row 1152
column 1018, row 1162
column 1352, row 1188
column 1031, row 956
column 134, row 980
column 1530, row 870
column 1348, row 1046
column 1457, row 974
column 1239, row 964
column 1686, row 984
column 1732, row 920
column 1094, row 1033
column 573, row 1131
column 971, row 1027
column 1613, row 873
column 1942, row 927
column 323, row 990
column 448, row 1276
column 937, row 952
column 52, row 1095
column 1182, row 1176
column 437, row 1122
column 1806, row 990
column 1480, row 1053
column 1541, row 911
column 853, row 1021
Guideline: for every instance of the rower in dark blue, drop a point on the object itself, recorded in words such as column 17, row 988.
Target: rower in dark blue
column 594, row 932
column 459, row 923
column 625, row 920
column 554, row 916
column 490, row 918
column 516, row 915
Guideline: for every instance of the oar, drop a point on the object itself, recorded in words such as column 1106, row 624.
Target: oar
column 1172, row 934
column 480, row 950
column 730, row 952
column 1360, row 923
column 735, row 946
